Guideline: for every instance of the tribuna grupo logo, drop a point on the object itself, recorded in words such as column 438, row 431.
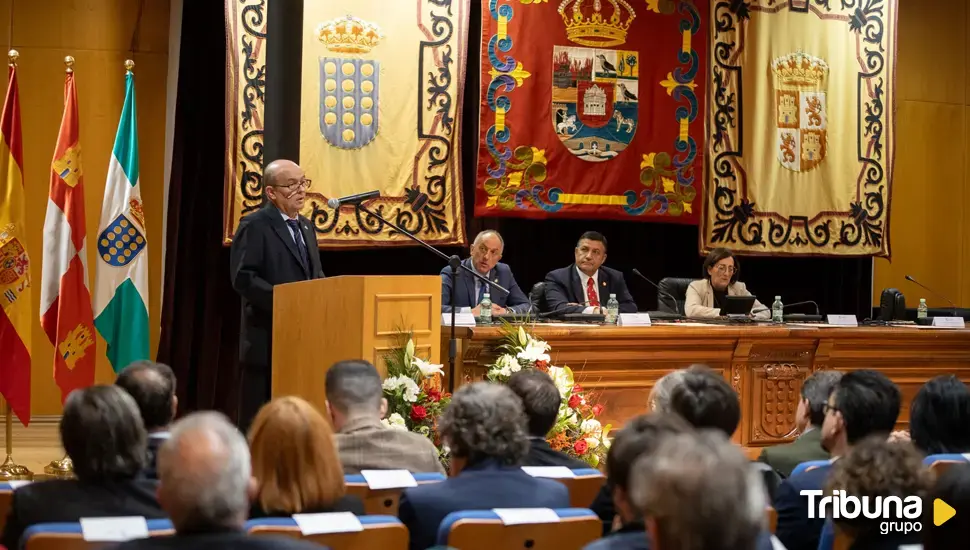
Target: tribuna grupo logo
column 900, row 515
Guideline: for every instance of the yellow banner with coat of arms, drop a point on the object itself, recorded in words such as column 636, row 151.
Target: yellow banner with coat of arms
column 801, row 127
column 380, row 110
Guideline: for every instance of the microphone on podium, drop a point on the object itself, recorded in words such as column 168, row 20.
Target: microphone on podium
column 949, row 301
column 353, row 199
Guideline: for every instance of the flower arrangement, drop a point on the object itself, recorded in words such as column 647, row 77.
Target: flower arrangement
column 413, row 389
column 576, row 432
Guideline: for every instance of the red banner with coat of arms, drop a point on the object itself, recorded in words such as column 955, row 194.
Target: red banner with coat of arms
column 592, row 109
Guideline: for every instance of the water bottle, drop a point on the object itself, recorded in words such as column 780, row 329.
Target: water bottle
column 922, row 311
column 486, row 311
column 612, row 310
column 777, row 310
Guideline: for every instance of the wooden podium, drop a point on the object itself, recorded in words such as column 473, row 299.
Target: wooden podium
column 317, row 323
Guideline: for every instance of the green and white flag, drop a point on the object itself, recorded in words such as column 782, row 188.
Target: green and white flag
column 121, row 283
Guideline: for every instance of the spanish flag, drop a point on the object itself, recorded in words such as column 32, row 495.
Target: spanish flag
column 15, row 319
column 65, row 301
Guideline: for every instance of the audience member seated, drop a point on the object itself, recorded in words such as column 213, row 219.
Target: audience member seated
column 863, row 403
column 877, row 468
column 939, row 417
column 708, row 296
column 808, row 421
column 356, row 404
column 103, row 434
column 485, row 429
column 659, row 399
column 953, row 488
column 585, row 286
column 205, row 486
column 698, row 492
column 295, row 462
column 541, row 401
column 640, row 437
column 706, row 400
column 152, row 385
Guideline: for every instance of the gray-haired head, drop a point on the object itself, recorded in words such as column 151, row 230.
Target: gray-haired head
column 354, row 389
column 103, row 433
column 659, row 399
column 816, row 390
column 488, row 233
column 204, row 471
column 700, row 467
column 485, row 421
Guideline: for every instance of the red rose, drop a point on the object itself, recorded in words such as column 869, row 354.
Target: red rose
column 434, row 395
column 577, row 388
column 581, row 447
column 575, row 401
column 418, row 413
column 542, row 365
column 597, row 409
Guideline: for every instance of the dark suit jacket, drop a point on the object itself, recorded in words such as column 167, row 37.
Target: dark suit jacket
column 68, row 500
column 541, row 454
column 263, row 255
column 795, row 530
column 563, row 286
column 632, row 536
column 154, row 444
column 346, row 503
column 465, row 284
column 784, row 458
column 228, row 540
column 481, row 487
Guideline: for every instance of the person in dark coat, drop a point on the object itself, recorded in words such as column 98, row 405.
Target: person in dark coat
column 152, row 385
column 486, row 251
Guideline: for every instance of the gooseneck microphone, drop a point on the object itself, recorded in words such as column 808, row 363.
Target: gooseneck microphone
column 655, row 285
column 353, row 199
column 949, row 301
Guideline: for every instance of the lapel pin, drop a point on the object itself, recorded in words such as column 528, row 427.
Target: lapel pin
column 604, row 283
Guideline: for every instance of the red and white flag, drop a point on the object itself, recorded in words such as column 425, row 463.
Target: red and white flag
column 65, row 300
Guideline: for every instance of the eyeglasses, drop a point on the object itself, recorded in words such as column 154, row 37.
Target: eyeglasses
column 293, row 185
column 725, row 268
column 826, row 408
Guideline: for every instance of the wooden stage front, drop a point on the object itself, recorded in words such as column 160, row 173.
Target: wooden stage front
column 765, row 364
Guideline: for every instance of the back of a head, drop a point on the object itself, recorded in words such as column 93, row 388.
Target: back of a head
column 874, row 468
column 660, row 394
column 103, row 433
column 939, row 418
column 816, row 390
column 953, row 488
column 204, row 472
column 294, row 458
column 485, row 422
column 152, row 385
column 640, row 436
column 698, row 492
column 540, row 399
column 868, row 402
column 706, row 400
column 354, row 387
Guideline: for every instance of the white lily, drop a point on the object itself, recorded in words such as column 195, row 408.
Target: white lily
column 411, row 389
column 427, row 368
column 535, row 351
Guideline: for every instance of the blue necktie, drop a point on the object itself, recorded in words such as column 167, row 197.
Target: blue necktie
column 300, row 245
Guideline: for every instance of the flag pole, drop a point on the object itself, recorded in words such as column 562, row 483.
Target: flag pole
column 10, row 470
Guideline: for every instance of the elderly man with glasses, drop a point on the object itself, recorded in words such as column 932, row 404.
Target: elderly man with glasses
column 272, row 246
column 486, row 251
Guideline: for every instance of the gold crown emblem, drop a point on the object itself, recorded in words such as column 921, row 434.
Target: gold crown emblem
column 800, row 70
column 586, row 23
column 349, row 35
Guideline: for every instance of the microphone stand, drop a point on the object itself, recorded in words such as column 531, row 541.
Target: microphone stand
column 454, row 262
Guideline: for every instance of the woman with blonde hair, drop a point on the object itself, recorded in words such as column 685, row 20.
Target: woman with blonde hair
column 295, row 462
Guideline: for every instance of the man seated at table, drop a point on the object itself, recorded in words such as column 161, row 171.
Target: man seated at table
column 486, row 251
column 585, row 286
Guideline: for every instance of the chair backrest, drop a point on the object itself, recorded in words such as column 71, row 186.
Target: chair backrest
column 584, row 487
column 6, row 496
column 941, row 466
column 538, row 296
column 949, row 457
column 673, row 287
column 380, row 533
column 68, row 536
column 483, row 530
column 383, row 501
column 810, row 465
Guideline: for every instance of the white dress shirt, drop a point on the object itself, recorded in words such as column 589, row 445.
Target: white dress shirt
column 583, row 278
column 478, row 287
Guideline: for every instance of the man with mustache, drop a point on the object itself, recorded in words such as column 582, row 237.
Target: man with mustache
column 585, row 286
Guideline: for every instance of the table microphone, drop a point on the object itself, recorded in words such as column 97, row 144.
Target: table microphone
column 655, row 285
column 786, row 306
column 912, row 280
column 353, row 199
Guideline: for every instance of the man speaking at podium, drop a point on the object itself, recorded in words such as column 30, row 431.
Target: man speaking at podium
column 486, row 251
column 272, row 246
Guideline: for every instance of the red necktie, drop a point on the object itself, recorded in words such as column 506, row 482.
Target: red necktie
column 591, row 293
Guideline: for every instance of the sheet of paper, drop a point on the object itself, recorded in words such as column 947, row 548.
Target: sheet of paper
column 949, row 322
column 843, row 320
column 118, row 529
column 322, row 524
column 388, row 479
column 634, row 320
column 519, row 516
column 461, row 320
column 553, row 472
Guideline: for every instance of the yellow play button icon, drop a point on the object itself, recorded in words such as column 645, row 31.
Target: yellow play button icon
column 942, row 512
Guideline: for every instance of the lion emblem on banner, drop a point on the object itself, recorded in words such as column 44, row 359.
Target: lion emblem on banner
column 13, row 269
column 800, row 110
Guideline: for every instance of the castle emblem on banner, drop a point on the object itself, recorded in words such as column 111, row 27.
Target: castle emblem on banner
column 595, row 90
column 801, row 117
column 349, row 85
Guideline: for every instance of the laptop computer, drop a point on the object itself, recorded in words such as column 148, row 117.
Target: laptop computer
column 738, row 305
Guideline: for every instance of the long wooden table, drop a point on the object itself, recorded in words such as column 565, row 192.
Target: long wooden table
column 766, row 365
